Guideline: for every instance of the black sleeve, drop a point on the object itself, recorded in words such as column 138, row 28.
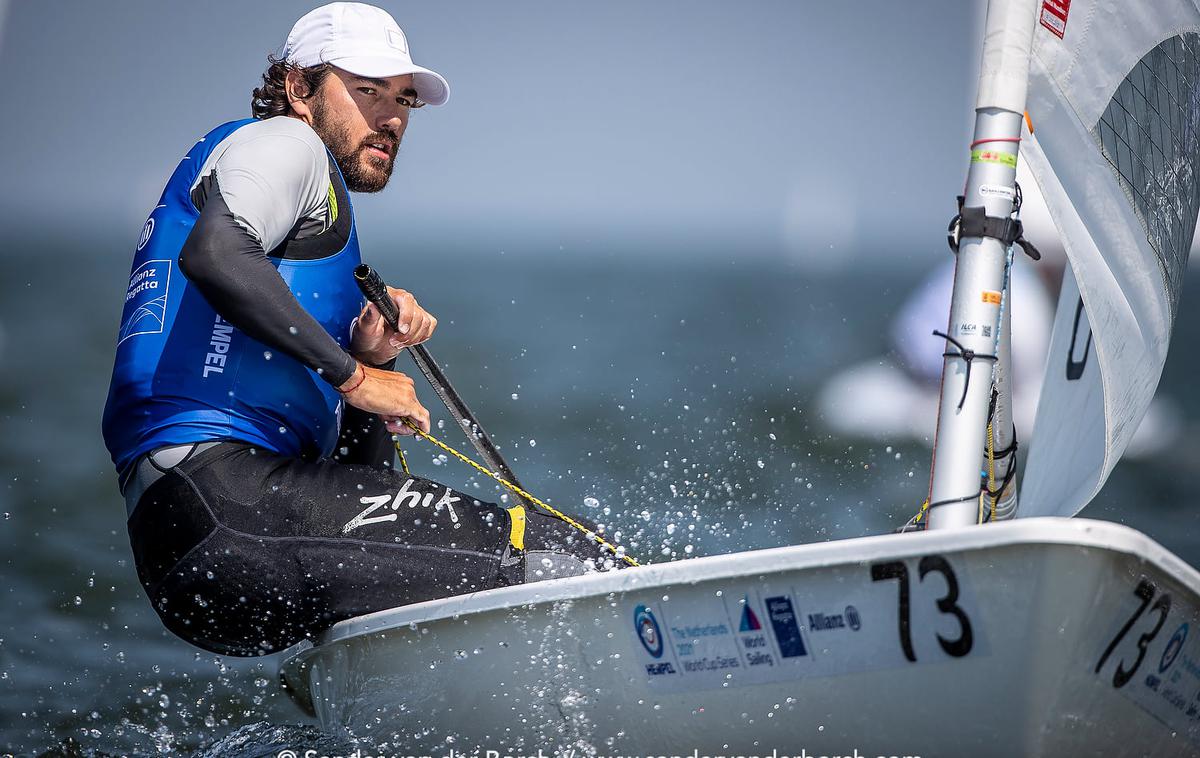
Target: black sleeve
column 232, row 271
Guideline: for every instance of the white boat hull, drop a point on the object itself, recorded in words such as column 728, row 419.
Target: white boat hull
column 1034, row 637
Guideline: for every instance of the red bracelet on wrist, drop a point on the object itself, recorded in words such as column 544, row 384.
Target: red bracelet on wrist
column 363, row 378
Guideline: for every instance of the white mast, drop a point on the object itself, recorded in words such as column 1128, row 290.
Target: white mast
column 979, row 277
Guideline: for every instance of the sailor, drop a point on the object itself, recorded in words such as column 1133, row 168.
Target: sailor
column 252, row 398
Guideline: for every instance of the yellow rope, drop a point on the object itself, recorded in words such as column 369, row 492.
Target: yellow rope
column 618, row 552
column 921, row 513
column 991, row 445
column 403, row 461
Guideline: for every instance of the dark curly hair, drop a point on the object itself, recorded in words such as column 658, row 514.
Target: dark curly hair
column 271, row 98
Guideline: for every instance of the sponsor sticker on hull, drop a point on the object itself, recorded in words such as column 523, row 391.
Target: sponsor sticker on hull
column 831, row 622
column 1147, row 655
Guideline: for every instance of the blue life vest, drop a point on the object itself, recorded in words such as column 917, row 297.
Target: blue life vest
column 183, row 374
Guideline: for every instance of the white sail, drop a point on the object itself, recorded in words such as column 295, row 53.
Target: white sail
column 1114, row 101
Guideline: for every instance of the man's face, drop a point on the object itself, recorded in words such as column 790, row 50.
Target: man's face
column 362, row 121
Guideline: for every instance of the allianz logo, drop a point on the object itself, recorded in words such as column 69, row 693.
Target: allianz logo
column 848, row 618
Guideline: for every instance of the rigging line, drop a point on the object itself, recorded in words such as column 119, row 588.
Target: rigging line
column 1003, row 483
column 617, row 551
column 949, row 501
column 967, row 355
column 403, row 460
column 990, row 488
column 991, row 485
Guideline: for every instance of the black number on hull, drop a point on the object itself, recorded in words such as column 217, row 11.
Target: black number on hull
column 897, row 570
column 1145, row 591
column 947, row 604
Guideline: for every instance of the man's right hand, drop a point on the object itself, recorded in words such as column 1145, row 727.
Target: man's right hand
column 388, row 393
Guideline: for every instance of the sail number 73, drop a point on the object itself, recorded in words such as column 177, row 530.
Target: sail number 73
column 1145, row 592
column 957, row 646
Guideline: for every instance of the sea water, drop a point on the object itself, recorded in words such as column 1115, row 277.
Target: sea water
column 670, row 400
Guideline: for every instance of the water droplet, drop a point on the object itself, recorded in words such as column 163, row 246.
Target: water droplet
column 591, row 502
column 267, row 354
column 78, row 600
column 515, row 396
column 533, row 443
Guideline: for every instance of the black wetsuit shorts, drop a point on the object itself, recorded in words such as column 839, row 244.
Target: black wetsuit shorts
column 245, row 552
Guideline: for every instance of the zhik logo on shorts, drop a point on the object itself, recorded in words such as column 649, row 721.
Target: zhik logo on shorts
column 414, row 498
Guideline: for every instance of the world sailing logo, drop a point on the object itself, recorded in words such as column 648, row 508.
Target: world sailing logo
column 648, row 631
column 750, row 622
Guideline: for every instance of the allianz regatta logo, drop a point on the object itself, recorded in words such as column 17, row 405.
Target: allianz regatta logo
column 648, row 631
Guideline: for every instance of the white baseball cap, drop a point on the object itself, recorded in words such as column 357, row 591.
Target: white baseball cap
column 363, row 40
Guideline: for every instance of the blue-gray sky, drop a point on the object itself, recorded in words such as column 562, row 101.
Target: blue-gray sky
column 807, row 129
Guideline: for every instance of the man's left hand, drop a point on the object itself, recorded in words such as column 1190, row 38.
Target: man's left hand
column 375, row 343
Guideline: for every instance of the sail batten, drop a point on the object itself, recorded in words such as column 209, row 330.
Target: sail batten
column 1115, row 106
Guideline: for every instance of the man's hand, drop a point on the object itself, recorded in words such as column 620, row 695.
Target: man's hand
column 387, row 393
column 375, row 343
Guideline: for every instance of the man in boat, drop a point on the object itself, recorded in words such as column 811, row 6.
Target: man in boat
column 252, row 397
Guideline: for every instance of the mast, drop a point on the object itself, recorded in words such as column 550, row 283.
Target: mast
column 975, row 325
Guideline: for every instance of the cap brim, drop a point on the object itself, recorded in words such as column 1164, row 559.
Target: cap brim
column 432, row 88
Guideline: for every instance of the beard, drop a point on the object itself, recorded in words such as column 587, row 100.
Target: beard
column 362, row 171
